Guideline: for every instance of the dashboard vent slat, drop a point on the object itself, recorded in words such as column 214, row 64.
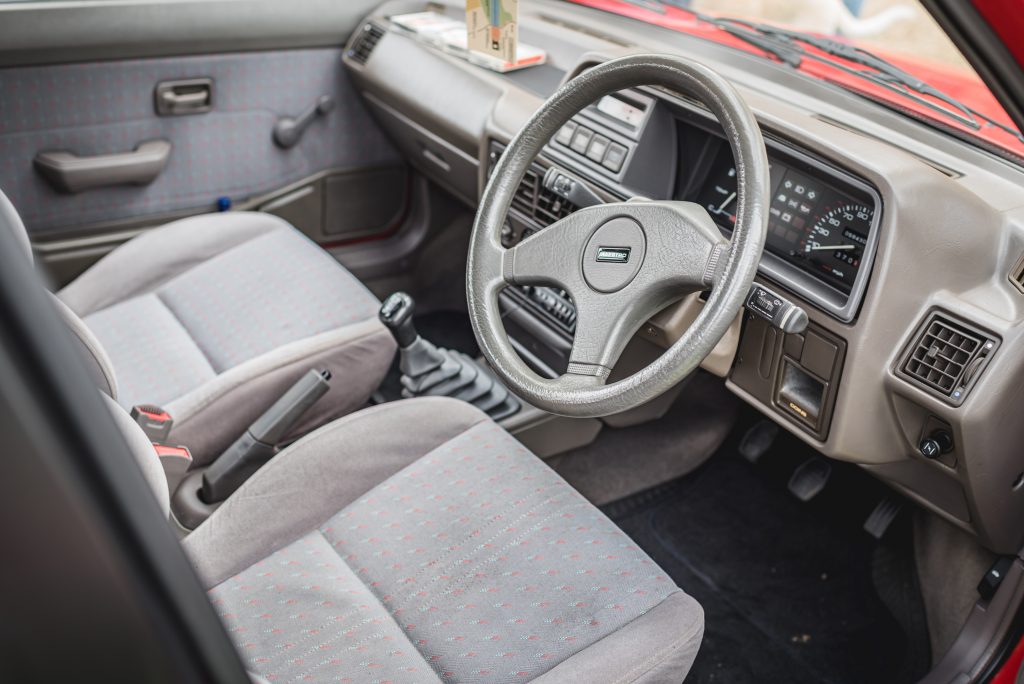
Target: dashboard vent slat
column 525, row 199
column 365, row 42
column 532, row 199
column 947, row 356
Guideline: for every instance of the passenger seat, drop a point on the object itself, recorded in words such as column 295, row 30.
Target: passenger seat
column 213, row 318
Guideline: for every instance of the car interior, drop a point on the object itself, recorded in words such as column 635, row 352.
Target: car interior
column 693, row 352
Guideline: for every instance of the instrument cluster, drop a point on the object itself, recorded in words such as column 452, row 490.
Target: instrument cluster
column 814, row 224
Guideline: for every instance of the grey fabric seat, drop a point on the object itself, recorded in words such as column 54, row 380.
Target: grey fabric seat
column 418, row 541
column 214, row 317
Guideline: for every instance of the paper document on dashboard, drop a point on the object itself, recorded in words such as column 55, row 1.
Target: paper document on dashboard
column 451, row 35
column 493, row 27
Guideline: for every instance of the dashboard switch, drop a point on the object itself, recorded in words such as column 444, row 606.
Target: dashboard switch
column 570, row 188
column 776, row 309
column 614, row 158
column 936, row 444
column 581, row 139
column 564, row 135
column 597, row 148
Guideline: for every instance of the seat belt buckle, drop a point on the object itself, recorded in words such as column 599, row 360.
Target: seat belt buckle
column 153, row 420
column 176, row 460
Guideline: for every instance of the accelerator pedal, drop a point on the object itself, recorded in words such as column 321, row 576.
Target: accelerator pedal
column 810, row 478
column 880, row 519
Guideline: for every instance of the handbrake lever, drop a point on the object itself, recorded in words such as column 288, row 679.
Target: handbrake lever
column 258, row 444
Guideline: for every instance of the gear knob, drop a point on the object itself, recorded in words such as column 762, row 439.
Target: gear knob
column 396, row 314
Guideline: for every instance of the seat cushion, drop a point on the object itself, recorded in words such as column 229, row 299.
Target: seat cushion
column 474, row 562
column 220, row 313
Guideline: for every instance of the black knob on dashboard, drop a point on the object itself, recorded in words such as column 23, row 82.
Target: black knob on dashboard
column 934, row 445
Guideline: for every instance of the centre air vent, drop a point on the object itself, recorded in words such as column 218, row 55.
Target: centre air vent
column 532, row 199
column 539, row 203
column 364, row 43
column 947, row 356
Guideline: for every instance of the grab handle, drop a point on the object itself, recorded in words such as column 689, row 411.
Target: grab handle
column 68, row 172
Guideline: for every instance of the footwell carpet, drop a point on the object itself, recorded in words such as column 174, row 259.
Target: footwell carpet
column 792, row 592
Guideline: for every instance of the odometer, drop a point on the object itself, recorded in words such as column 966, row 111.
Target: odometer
column 834, row 244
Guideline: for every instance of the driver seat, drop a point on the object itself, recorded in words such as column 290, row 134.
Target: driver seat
column 419, row 541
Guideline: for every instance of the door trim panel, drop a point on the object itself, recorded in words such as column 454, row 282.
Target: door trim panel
column 90, row 30
column 103, row 108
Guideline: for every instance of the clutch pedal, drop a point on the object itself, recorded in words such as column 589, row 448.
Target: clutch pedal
column 758, row 440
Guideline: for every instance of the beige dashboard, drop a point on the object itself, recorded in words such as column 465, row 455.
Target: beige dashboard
column 950, row 234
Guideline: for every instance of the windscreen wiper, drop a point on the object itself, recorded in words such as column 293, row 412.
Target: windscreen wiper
column 786, row 52
column 783, row 52
column 878, row 71
column 788, row 46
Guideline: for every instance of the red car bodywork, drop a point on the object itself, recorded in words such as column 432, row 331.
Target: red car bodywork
column 961, row 85
column 1006, row 19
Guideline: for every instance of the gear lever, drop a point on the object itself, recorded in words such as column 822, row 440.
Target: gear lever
column 396, row 314
column 429, row 370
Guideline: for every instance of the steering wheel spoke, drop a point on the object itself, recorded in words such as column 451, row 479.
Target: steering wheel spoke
column 604, row 325
column 547, row 257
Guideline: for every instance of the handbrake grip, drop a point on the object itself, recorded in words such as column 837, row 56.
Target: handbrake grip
column 259, row 442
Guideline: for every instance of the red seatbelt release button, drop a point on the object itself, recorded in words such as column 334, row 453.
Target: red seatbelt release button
column 167, row 451
column 153, row 420
column 176, row 460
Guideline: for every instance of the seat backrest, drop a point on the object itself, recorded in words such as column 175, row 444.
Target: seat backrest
column 101, row 370
column 9, row 216
column 142, row 449
column 93, row 353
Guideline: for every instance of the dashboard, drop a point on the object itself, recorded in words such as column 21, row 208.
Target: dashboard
column 823, row 221
column 904, row 246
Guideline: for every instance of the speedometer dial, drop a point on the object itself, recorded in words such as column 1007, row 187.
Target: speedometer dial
column 834, row 244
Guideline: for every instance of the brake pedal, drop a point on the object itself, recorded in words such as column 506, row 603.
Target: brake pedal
column 758, row 440
column 881, row 518
column 810, row 478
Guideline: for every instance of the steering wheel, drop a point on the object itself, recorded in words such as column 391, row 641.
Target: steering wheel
column 621, row 263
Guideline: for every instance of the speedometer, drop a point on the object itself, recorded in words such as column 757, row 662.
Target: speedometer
column 834, row 244
column 818, row 222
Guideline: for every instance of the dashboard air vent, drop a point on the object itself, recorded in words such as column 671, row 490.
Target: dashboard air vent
column 532, row 199
column 364, row 43
column 539, row 203
column 947, row 356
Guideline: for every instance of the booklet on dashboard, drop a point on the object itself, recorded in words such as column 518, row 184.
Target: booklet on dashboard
column 453, row 37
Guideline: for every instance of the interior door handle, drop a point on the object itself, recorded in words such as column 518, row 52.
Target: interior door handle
column 187, row 96
column 184, row 100
column 68, row 172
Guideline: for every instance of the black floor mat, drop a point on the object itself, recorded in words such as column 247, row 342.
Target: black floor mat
column 791, row 591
